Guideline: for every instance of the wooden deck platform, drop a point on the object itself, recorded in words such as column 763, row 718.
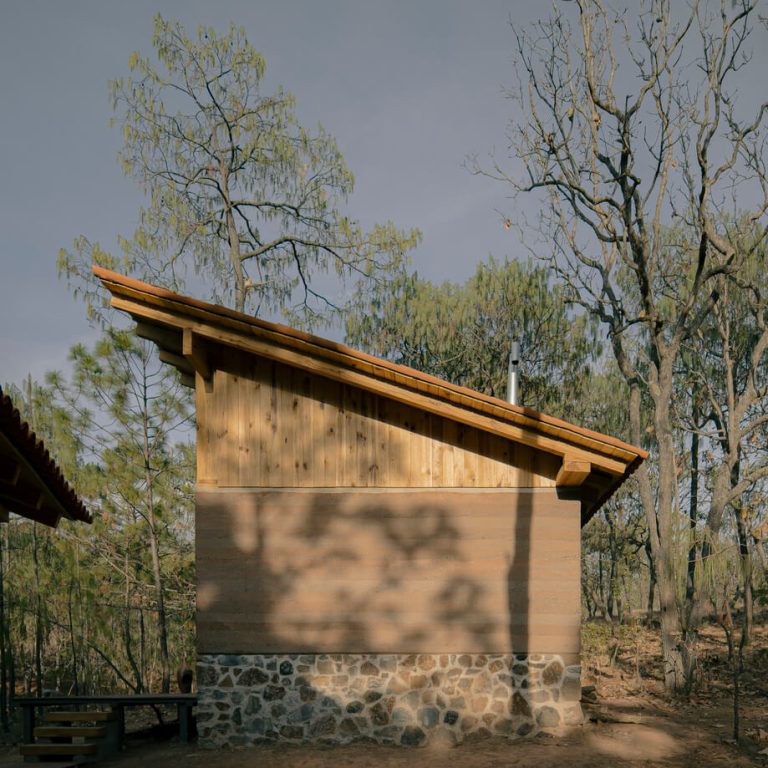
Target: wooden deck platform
column 184, row 703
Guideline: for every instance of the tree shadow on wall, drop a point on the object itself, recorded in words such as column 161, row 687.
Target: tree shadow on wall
column 353, row 553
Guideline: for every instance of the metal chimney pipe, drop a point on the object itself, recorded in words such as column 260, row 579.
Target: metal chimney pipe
column 514, row 359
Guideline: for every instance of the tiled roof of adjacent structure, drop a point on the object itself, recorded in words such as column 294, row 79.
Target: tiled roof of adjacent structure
column 182, row 327
column 31, row 483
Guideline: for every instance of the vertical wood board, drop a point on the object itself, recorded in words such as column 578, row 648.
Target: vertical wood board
column 265, row 425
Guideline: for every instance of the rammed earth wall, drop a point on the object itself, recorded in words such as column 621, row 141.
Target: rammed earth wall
column 398, row 699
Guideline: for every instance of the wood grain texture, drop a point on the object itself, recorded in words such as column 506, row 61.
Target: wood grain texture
column 387, row 571
column 264, row 424
column 572, row 473
column 172, row 312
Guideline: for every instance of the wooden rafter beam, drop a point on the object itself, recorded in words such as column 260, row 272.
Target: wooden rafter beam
column 39, row 513
column 24, row 493
column 572, row 473
column 10, row 471
column 193, row 349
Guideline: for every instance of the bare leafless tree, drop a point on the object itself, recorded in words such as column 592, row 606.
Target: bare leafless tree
column 731, row 379
column 631, row 126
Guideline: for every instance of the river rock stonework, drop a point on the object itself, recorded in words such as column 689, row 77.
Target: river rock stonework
column 403, row 699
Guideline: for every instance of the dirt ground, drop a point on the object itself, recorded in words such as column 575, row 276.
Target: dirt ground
column 630, row 722
column 649, row 737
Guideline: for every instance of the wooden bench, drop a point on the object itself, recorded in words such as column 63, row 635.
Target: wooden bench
column 184, row 703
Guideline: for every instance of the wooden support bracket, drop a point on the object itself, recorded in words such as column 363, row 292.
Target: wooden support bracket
column 193, row 349
column 165, row 338
column 187, row 380
column 177, row 361
column 572, row 473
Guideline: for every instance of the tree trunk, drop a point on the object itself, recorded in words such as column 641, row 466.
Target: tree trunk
column 736, row 661
column 746, row 570
column 588, row 602
column 127, row 638
column 760, row 549
column 233, row 236
column 154, row 550
column 679, row 653
column 651, row 584
column 659, row 510
column 10, row 664
column 690, row 584
column 614, row 588
column 38, row 616
column 72, row 643
column 142, row 645
column 600, row 586
column 161, row 618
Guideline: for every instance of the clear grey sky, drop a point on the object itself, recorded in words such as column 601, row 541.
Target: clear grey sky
column 407, row 88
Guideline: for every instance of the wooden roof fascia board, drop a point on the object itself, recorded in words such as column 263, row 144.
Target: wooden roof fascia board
column 390, row 389
column 120, row 285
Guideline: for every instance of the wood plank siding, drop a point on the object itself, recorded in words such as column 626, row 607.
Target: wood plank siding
column 265, row 424
column 382, row 571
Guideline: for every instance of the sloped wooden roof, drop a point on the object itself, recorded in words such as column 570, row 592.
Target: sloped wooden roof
column 185, row 328
column 31, row 484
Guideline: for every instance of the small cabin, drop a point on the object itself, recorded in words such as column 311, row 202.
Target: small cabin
column 381, row 555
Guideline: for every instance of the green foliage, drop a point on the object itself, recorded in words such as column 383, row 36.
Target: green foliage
column 239, row 192
column 462, row 333
column 136, row 407
column 117, row 430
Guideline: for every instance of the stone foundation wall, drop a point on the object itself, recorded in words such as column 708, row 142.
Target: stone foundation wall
column 383, row 698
